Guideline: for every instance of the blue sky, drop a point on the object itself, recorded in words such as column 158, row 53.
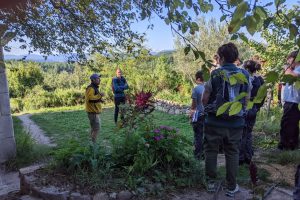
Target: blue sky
column 160, row 37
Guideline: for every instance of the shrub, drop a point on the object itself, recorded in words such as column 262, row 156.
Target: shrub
column 69, row 97
column 16, row 105
column 27, row 150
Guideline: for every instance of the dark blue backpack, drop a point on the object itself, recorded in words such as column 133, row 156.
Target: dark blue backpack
column 224, row 92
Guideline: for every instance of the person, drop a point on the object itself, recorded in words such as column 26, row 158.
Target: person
column 197, row 115
column 93, row 100
column 246, row 149
column 119, row 84
column 238, row 62
column 289, row 130
column 223, row 128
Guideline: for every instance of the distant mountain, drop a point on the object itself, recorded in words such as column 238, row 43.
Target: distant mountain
column 64, row 57
column 38, row 58
column 163, row 52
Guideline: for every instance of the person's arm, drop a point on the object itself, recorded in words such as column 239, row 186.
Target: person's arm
column 117, row 88
column 91, row 97
column 125, row 85
column 207, row 91
column 291, row 72
column 194, row 104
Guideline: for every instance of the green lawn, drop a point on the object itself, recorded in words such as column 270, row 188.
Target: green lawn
column 63, row 125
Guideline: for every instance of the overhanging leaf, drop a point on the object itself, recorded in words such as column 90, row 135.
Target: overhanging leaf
column 235, row 108
column 272, row 77
column 232, row 80
column 261, row 94
column 240, row 96
column 187, row 49
column 249, row 105
column 223, row 108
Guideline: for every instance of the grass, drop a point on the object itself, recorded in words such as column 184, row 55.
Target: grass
column 285, row 157
column 268, row 123
column 28, row 151
column 64, row 125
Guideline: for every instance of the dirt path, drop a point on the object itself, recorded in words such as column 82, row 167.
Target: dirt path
column 35, row 131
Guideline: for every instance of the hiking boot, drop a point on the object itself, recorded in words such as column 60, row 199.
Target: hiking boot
column 211, row 186
column 230, row 193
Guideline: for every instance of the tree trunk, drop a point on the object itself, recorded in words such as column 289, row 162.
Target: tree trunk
column 7, row 139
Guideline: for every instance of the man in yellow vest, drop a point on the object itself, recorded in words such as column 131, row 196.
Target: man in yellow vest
column 93, row 100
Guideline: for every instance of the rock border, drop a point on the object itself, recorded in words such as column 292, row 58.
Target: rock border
column 171, row 107
column 27, row 187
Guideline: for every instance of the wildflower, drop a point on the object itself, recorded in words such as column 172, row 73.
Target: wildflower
column 156, row 131
column 157, row 138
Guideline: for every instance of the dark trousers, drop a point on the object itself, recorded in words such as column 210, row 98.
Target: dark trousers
column 246, row 148
column 230, row 138
column 118, row 101
column 198, row 137
column 289, row 131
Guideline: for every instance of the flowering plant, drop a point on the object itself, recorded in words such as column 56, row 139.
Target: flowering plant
column 136, row 110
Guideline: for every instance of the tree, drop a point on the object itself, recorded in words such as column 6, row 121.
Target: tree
column 78, row 26
column 87, row 26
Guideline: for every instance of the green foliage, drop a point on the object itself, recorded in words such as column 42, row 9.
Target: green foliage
column 23, row 77
column 28, row 151
column 285, row 157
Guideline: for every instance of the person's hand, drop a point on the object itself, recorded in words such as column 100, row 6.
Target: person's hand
column 191, row 113
column 289, row 71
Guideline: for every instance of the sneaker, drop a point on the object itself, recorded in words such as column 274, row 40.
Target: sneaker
column 211, row 186
column 231, row 193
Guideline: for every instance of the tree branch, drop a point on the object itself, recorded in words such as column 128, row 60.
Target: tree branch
column 7, row 38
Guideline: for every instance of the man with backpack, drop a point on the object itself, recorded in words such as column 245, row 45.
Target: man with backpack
column 224, row 128
column 119, row 84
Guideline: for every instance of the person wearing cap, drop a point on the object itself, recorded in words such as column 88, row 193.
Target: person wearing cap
column 93, row 100
column 119, row 84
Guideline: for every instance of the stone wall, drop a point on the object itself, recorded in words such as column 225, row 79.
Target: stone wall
column 171, row 107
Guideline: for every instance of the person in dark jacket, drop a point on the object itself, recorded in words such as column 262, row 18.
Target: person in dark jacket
column 119, row 84
column 246, row 149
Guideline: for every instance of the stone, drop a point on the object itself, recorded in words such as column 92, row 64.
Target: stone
column 124, row 195
column 53, row 193
column 113, row 195
column 4, row 105
column 6, row 125
column 30, row 169
column 9, row 183
column 78, row 196
column 27, row 197
column 26, row 183
column 101, row 196
column 3, row 83
column 177, row 112
column 7, row 149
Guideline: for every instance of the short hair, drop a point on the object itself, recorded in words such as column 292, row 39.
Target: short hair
column 228, row 52
column 199, row 74
column 293, row 54
column 252, row 66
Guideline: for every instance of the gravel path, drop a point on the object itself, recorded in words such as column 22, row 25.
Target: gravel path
column 35, row 131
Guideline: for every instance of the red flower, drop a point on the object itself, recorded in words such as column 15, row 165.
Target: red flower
column 142, row 99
